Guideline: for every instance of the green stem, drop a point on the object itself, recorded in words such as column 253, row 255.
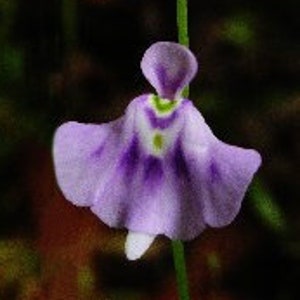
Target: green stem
column 180, row 268
column 177, row 246
column 182, row 22
column 182, row 27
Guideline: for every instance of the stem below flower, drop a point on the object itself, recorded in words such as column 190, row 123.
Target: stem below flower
column 180, row 268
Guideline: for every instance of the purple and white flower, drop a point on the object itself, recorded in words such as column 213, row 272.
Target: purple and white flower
column 158, row 169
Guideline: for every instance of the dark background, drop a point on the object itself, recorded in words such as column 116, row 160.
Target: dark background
column 79, row 60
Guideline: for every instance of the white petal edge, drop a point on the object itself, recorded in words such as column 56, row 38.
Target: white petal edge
column 137, row 244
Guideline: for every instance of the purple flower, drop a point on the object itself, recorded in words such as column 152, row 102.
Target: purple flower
column 158, row 169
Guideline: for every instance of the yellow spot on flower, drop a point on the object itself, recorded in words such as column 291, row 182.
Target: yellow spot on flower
column 158, row 141
column 163, row 106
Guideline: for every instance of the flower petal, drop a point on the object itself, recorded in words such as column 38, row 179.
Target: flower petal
column 169, row 67
column 137, row 244
column 229, row 173
column 220, row 173
column 86, row 155
column 81, row 155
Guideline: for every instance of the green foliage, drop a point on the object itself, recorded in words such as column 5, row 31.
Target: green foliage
column 213, row 262
column 239, row 30
column 12, row 65
column 85, row 280
column 267, row 208
column 17, row 260
column 11, row 58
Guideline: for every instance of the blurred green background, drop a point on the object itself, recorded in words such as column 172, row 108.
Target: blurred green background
column 79, row 60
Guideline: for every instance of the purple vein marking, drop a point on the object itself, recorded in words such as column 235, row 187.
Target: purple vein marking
column 130, row 159
column 160, row 122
